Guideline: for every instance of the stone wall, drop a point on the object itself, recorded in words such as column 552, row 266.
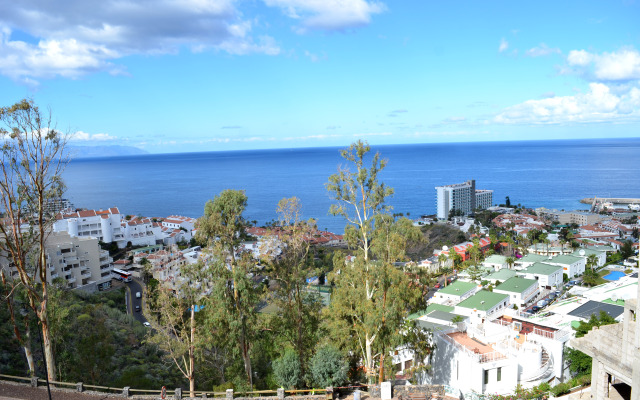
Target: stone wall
column 402, row 390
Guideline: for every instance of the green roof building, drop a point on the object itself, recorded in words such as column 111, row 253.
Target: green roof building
column 521, row 291
column 501, row 275
column 530, row 259
column 483, row 304
column 547, row 275
column 496, row 262
column 456, row 291
column 571, row 265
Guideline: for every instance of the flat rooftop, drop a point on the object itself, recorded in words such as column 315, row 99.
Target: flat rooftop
column 472, row 344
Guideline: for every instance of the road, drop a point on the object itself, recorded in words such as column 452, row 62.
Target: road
column 134, row 287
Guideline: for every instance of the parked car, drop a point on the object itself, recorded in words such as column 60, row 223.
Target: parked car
column 137, row 308
column 535, row 309
column 542, row 303
column 148, row 325
column 138, row 295
column 437, row 286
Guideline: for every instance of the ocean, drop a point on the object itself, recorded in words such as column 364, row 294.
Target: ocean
column 552, row 174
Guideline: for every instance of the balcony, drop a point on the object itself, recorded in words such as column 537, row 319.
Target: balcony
column 85, row 274
column 71, row 280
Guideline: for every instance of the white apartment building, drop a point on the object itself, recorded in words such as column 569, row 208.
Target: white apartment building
column 572, row 266
column 461, row 196
column 111, row 226
column 548, row 276
column 104, row 225
column 521, row 291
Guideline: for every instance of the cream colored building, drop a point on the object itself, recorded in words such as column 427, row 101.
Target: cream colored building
column 80, row 261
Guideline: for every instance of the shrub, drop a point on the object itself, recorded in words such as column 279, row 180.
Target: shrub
column 328, row 367
column 287, row 370
column 560, row 389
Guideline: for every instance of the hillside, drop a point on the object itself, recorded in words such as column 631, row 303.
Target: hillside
column 435, row 236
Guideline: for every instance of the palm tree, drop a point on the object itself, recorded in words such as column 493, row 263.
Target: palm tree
column 562, row 243
column 442, row 258
column 510, row 262
column 592, row 261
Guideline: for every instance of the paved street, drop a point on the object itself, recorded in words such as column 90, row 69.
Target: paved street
column 134, row 287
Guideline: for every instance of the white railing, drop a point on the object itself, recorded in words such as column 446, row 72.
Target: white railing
column 481, row 358
column 556, row 335
column 541, row 371
column 501, row 322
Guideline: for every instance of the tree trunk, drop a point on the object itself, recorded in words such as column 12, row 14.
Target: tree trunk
column 48, row 350
column 247, row 363
column 26, row 344
column 369, row 360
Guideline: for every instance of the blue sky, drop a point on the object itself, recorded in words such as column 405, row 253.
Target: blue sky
column 198, row 75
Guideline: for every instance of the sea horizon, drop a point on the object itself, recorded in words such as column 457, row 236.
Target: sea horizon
column 373, row 146
column 541, row 173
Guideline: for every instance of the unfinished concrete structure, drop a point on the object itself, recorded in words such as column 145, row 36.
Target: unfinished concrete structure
column 615, row 349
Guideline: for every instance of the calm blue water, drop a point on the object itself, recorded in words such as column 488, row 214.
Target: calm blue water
column 554, row 174
column 614, row 276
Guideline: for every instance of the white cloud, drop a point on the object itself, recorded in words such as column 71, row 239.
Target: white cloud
column 372, row 134
column 329, row 14
column 542, row 50
column 74, row 37
column 622, row 65
column 314, row 57
column 600, row 104
column 81, row 136
column 504, row 45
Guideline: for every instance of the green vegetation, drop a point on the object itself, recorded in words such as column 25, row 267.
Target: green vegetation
column 231, row 321
column 33, row 158
column 580, row 363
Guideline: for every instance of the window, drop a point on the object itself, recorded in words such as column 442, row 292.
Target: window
column 499, row 374
column 486, row 376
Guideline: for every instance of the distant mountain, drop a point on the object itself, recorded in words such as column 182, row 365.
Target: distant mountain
column 103, row 151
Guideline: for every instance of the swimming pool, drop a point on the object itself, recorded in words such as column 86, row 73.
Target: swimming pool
column 614, row 275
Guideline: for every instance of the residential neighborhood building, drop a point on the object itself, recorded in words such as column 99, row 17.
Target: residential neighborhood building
column 548, row 276
column 483, row 305
column 80, row 262
column 571, row 265
column 580, row 218
column 455, row 292
column 495, row 261
column 521, row 291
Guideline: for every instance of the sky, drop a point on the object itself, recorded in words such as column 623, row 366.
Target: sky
column 213, row 75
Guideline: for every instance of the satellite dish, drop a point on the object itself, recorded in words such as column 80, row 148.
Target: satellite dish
column 445, row 248
column 550, row 257
column 581, row 252
column 614, row 297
